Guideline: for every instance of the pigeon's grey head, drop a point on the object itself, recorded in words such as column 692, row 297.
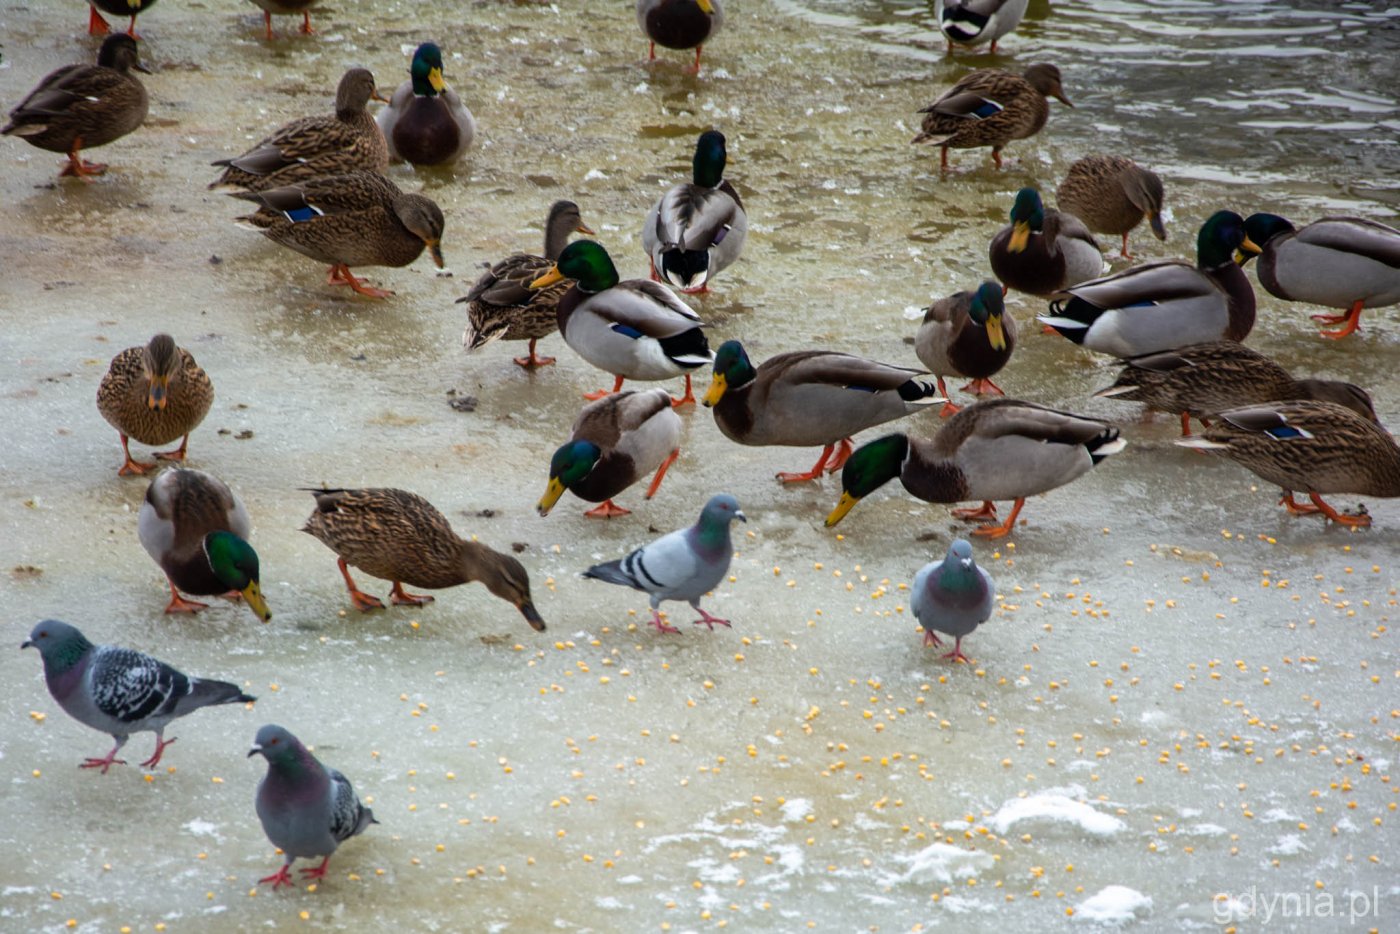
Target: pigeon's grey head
column 960, row 552
column 275, row 744
column 52, row 637
column 722, row 509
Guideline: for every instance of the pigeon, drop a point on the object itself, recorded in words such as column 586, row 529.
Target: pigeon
column 120, row 691
column 306, row 809
column 684, row 565
column 953, row 596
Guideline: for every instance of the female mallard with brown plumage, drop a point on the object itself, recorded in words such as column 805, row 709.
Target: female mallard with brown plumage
column 348, row 141
column 1161, row 306
column 991, row 108
column 1341, row 262
column 361, row 219
column 1112, row 195
column 1308, row 447
column 80, row 107
column 155, row 394
column 1042, row 251
column 502, row 306
column 197, row 530
column 1202, row 380
column 616, row 441
column 808, row 398
column 967, row 334
column 680, row 24
column 401, row 537
column 997, row 449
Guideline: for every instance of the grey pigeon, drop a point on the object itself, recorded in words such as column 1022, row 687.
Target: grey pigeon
column 684, row 565
column 120, row 691
column 953, row 596
column 306, row 809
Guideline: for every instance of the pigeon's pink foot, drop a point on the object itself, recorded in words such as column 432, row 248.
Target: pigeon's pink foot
column 956, row 655
column 279, row 878
column 661, row 626
column 155, row 756
column 104, row 764
column 711, row 621
column 931, row 639
column 316, row 872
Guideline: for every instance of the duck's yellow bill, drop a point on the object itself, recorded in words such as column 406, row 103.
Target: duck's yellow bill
column 549, row 278
column 847, row 503
column 1249, row 246
column 1020, row 236
column 253, row 594
column 550, row 497
column 705, row 6
column 435, row 79
column 718, row 386
column 995, row 333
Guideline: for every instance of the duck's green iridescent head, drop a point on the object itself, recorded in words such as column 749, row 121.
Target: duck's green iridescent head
column 235, row 564
column 732, row 370
column 708, row 166
column 1261, row 228
column 426, row 71
column 1221, row 235
column 1027, row 214
column 584, row 261
column 987, row 309
column 570, row 464
column 869, row 468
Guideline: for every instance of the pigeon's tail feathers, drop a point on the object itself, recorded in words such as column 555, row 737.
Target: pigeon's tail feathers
column 208, row 693
column 613, row 573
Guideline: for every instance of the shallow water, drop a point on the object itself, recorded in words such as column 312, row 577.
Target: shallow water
column 1184, row 692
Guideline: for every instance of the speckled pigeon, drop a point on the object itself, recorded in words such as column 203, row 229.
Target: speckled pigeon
column 120, row 691
column 306, row 809
column 953, row 596
column 684, row 565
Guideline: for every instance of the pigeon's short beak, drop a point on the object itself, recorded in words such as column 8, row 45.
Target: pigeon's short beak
column 26, row 644
column 967, row 563
column 739, row 514
column 255, row 751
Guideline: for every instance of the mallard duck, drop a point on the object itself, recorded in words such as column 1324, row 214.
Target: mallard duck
column 967, row 334
column 401, row 537
column 1309, row 447
column 1162, row 306
column 502, row 306
column 997, row 449
column 991, row 108
column 154, row 394
column 426, row 122
column 1043, row 252
column 1341, row 262
column 634, row 329
column 197, row 530
column 97, row 26
column 84, row 106
column 680, row 24
column 286, row 8
column 1203, row 380
column 348, row 141
column 973, row 22
column 616, row 441
column 360, row 219
column 697, row 228
column 809, row 397
column 1112, row 194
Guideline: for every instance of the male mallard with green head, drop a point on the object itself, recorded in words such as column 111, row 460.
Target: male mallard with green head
column 680, row 24
column 997, row 449
column 401, row 537
column 634, row 329
column 967, row 334
column 426, row 123
column 360, row 219
column 97, row 26
column 81, row 107
column 1162, row 306
column 502, row 306
column 155, row 394
column 616, row 441
column 286, row 8
column 990, row 107
column 971, row 23
column 197, row 530
column 1341, row 262
column 1043, row 251
column 810, row 397
column 698, row 227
